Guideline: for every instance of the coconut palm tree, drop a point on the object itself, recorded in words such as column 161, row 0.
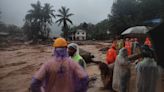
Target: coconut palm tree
column 35, row 14
column 64, row 19
column 39, row 18
column 34, row 18
column 48, row 14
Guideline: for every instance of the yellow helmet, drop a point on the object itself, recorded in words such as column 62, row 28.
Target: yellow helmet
column 60, row 43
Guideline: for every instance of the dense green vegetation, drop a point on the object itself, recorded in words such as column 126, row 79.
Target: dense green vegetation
column 125, row 14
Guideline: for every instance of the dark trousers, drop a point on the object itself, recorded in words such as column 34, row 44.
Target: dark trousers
column 124, row 82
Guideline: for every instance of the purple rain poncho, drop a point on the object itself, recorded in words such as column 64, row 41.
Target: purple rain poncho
column 60, row 74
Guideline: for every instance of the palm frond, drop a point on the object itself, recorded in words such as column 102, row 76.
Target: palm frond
column 66, row 10
column 69, row 20
column 58, row 15
column 53, row 15
column 29, row 17
column 64, row 16
column 59, row 21
column 31, row 11
column 63, row 8
column 61, row 12
column 68, row 15
column 50, row 21
column 33, row 6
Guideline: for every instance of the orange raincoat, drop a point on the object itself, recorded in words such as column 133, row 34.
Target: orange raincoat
column 128, row 46
column 148, row 42
column 111, row 55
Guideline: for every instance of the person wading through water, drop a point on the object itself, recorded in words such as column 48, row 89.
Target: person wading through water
column 60, row 73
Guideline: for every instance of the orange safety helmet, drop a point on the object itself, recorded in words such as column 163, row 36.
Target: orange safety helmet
column 60, row 43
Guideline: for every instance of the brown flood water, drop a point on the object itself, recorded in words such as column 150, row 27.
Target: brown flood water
column 19, row 63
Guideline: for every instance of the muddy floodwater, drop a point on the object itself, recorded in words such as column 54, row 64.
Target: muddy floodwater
column 19, row 63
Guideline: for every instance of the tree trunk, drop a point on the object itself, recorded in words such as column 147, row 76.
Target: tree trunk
column 65, row 30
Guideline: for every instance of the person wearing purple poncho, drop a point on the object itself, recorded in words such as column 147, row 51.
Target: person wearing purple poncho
column 60, row 74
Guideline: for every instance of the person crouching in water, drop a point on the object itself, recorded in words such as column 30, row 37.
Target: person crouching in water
column 73, row 51
column 121, row 71
column 60, row 73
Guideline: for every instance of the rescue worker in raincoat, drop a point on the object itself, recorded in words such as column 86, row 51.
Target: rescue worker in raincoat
column 111, row 54
column 124, row 66
column 120, row 44
column 73, row 51
column 128, row 46
column 136, row 46
column 147, row 72
column 132, row 44
column 60, row 74
column 148, row 42
column 121, row 74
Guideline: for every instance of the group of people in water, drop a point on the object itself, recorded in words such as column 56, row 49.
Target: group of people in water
column 120, row 57
column 65, row 71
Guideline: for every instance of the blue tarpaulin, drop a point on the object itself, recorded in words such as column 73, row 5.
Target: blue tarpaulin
column 153, row 21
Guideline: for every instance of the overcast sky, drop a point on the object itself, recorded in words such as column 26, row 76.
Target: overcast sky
column 90, row 11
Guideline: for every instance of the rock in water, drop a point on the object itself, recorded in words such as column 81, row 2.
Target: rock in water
column 86, row 55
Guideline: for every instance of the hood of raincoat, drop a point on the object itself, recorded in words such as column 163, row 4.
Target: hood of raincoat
column 60, row 53
column 123, row 52
column 147, row 52
column 75, row 46
column 123, row 57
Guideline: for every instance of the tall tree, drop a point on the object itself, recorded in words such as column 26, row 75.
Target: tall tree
column 125, row 13
column 101, row 28
column 48, row 14
column 64, row 19
column 34, row 19
column 128, row 13
column 39, row 18
column 150, row 9
column 35, row 14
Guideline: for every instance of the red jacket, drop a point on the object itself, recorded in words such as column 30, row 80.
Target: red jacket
column 128, row 46
column 111, row 55
column 148, row 42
